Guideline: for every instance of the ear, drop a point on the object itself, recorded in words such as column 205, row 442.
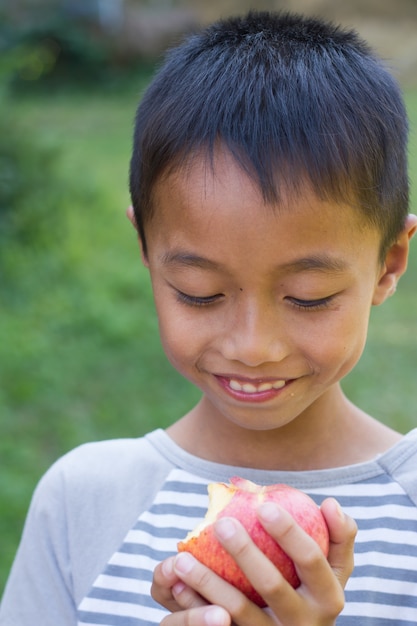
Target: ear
column 395, row 262
column 131, row 217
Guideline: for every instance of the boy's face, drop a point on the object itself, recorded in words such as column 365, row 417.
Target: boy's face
column 263, row 308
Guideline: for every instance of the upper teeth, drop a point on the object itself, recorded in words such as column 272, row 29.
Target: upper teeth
column 255, row 388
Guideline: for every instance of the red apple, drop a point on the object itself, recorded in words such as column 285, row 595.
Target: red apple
column 240, row 500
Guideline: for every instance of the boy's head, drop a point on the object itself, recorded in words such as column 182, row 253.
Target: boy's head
column 298, row 102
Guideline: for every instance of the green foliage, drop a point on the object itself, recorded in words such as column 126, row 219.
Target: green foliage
column 53, row 51
column 56, row 51
column 79, row 350
column 30, row 186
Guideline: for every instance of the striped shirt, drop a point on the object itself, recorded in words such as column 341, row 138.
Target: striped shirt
column 106, row 513
column 382, row 589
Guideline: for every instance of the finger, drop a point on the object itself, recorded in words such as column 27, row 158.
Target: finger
column 186, row 597
column 319, row 585
column 217, row 591
column 203, row 616
column 342, row 531
column 261, row 572
column 164, row 579
column 171, row 592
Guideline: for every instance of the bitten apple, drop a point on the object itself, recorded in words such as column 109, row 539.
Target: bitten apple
column 240, row 499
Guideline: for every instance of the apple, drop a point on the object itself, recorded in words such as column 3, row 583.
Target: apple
column 240, row 500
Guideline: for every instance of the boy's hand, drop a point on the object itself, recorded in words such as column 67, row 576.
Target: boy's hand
column 198, row 597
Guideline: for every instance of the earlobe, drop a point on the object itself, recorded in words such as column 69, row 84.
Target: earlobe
column 395, row 263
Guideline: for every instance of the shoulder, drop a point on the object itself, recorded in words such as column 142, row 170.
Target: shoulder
column 104, row 458
column 400, row 463
column 89, row 499
column 116, row 468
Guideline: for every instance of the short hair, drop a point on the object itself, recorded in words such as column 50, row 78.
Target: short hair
column 295, row 100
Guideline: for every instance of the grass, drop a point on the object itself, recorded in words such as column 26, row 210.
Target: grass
column 80, row 357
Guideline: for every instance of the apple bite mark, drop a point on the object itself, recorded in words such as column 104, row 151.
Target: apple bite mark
column 220, row 495
column 240, row 499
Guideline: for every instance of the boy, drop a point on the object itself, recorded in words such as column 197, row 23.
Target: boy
column 269, row 186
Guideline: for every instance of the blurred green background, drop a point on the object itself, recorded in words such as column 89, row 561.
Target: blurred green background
column 80, row 357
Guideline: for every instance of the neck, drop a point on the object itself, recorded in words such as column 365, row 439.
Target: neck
column 333, row 433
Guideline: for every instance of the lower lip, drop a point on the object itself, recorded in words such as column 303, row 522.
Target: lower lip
column 257, row 397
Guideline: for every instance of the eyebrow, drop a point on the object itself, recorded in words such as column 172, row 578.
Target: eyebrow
column 316, row 263
column 187, row 259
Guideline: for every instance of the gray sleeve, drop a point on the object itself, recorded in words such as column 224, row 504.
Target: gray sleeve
column 39, row 588
column 401, row 465
column 406, row 476
column 79, row 515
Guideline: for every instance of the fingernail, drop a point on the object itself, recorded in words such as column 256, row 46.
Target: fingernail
column 269, row 512
column 215, row 616
column 177, row 589
column 225, row 528
column 184, row 563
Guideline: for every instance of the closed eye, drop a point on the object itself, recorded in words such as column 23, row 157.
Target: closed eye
column 198, row 301
column 311, row 305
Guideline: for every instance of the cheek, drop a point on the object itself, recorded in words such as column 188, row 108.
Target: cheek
column 340, row 345
column 180, row 339
column 172, row 334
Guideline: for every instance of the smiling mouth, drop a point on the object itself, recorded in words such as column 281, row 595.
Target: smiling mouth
column 253, row 388
column 250, row 390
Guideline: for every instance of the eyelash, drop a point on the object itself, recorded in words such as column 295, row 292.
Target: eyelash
column 197, row 301
column 311, row 305
column 303, row 305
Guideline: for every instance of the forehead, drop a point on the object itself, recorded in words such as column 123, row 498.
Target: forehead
column 219, row 178
column 215, row 202
column 205, row 177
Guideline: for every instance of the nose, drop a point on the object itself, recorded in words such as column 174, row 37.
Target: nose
column 255, row 335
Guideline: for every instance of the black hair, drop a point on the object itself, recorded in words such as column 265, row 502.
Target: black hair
column 295, row 100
